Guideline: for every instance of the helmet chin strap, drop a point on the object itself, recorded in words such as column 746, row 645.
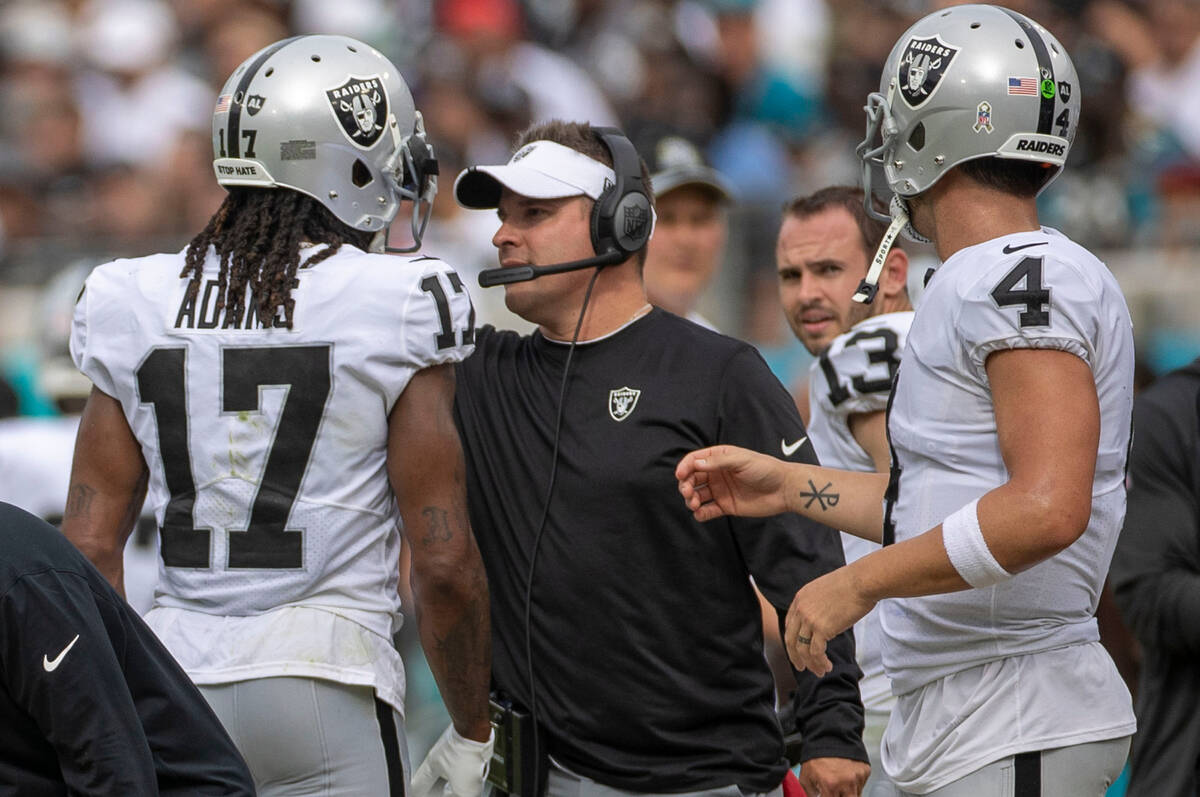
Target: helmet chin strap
column 900, row 225
column 908, row 231
column 870, row 284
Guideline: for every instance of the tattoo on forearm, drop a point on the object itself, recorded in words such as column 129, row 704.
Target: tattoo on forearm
column 79, row 500
column 823, row 496
column 437, row 525
column 458, row 646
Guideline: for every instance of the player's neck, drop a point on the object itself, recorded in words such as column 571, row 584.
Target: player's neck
column 897, row 303
column 616, row 300
column 965, row 213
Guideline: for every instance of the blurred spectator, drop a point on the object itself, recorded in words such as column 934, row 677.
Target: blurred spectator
column 230, row 39
column 692, row 227
column 489, row 31
column 1160, row 48
column 135, row 101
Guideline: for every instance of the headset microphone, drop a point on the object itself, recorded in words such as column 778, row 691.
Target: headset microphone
column 491, row 277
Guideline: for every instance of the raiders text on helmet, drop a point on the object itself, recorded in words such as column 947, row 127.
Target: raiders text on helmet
column 331, row 117
column 969, row 82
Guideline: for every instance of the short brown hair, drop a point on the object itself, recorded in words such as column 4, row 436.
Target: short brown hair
column 1017, row 177
column 850, row 199
column 582, row 137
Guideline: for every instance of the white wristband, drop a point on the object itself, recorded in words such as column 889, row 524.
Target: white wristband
column 968, row 550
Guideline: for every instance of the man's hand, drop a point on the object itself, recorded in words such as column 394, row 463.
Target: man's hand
column 833, row 777
column 462, row 764
column 821, row 610
column 727, row 480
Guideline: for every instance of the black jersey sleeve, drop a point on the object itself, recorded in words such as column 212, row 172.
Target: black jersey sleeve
column 1156, row 568
column 785, row 552
column 60, row 667
column 87, row 688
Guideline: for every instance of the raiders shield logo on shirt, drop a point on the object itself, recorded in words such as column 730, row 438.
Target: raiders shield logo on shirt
column 922, row 66
column 361, row 107
column 621, row 402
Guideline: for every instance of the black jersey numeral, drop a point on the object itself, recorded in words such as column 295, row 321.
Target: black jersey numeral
column 266, row 542
column 447, row 337
column 881, row 354
column 160, row 380
column 1033, row 297
column 837, row 393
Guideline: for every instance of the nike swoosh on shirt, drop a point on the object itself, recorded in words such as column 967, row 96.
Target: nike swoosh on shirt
column 788, row 450
column 50, row 665
column 1008, row 249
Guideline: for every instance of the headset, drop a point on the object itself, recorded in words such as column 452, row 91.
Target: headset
column 622, row 218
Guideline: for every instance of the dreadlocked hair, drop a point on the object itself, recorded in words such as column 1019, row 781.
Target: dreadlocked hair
column 257, row 233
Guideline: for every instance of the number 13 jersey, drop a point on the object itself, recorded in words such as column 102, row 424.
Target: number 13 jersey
column 267, row 452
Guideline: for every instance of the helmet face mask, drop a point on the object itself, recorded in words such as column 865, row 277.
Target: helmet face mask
column 969, row 82
column 330, row 117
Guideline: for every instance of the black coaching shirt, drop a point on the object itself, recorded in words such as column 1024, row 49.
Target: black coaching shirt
column 646, row 633
column 90, row 702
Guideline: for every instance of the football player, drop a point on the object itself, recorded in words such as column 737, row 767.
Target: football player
column 283, row 391
column 824, row 247
column 1009, row 426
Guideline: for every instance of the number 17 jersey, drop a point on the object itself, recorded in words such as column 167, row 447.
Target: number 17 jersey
column 267, row 450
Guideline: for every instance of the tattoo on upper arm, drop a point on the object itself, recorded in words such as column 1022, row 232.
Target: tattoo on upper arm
column 136, row 498
column 437, row 525
column 823, row 496
column 79, row 500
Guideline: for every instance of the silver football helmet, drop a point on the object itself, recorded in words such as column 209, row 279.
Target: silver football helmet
column 967, row 82
column 331, row 117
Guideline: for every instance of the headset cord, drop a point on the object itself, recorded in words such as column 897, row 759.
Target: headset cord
column 537, row 537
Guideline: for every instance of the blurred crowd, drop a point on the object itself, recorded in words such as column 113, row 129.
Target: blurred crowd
column 105, row 109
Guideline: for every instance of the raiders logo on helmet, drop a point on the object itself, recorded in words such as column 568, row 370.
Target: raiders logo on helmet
column 361, row 107
column 922, row 66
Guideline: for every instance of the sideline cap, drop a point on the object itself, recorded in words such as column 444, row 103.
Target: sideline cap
column 540, row 170
column 677, row 162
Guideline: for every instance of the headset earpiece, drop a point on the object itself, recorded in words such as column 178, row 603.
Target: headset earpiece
column 622, row 219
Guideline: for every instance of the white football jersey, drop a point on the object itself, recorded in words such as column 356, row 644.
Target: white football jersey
column 854, row 376
column 1026, row 290
column 267, row 451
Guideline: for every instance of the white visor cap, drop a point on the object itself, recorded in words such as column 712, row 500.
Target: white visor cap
column 539, row 170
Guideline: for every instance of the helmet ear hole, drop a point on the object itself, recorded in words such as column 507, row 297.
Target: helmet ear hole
column 360, row 175
column 916, row 139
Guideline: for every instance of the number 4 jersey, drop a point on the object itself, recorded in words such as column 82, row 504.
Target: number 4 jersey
column 985, row 673
column 267, row 452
